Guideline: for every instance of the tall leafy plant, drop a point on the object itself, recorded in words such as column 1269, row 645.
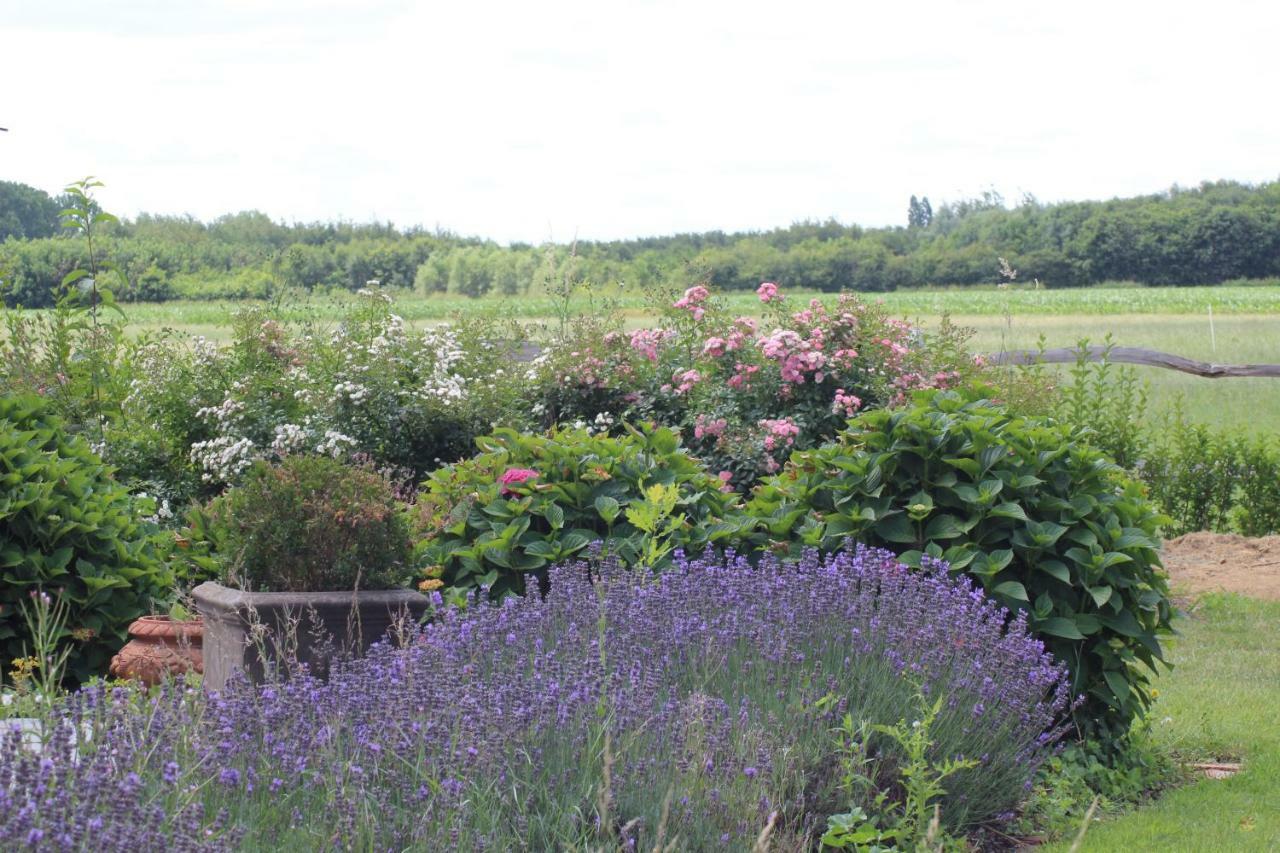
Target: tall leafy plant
column 85, row 291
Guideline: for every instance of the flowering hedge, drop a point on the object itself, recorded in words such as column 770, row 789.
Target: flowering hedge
column 707, row 695
column 745, row 390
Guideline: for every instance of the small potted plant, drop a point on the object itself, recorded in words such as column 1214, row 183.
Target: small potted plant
column 313, row 558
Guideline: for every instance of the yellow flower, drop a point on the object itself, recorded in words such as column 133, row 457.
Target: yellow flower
column 430, row 584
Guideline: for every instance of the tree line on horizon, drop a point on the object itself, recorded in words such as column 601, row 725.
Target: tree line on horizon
column 1216, row 232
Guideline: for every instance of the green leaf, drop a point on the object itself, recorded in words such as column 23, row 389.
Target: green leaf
column 664, row 441
column 1059, row 626
column 1118, row 683
column 608, row 508
column 944, row 526
column 1012, row 589
column 1056, row 568
column 554, row 515
column 990, row 456
column 895, row 528
column 1008, row 509
column 1101, row 594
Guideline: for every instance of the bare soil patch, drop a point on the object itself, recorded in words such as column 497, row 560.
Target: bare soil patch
column 1224, row 562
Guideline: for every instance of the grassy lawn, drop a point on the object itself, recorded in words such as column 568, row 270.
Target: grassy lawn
column 1222, row 699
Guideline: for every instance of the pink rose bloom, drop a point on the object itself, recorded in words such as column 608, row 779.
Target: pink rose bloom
column 725, row 477
column 714, row 347
column 767, row 291
column 846, row 403
column 687, row 380
column 692, row 301
column 515, row 477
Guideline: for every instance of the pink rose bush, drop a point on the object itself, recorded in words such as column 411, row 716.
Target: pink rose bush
column 745, row 391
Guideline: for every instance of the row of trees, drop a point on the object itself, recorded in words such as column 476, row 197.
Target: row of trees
column 1207, row 234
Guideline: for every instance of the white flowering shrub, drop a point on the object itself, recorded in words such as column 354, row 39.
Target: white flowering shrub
column 197, row 416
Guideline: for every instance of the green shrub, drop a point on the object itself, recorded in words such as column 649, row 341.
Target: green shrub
column 67, row 528
column 1209, row 479
column 1258, row 511
column 309, row 524
column 530, row 501
column 1047, row 525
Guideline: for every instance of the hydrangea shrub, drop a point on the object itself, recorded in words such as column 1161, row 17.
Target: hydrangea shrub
column 1046, row 524
column 527, row 502
column 708, row 694
column 68, row 529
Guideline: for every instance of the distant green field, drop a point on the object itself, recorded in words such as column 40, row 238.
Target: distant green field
column 973, row 302
column 1245, row 328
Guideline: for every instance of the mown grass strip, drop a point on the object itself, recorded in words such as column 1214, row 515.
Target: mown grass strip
column 1220, row 701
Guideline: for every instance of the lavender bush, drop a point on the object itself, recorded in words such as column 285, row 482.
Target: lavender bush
column 697, row 706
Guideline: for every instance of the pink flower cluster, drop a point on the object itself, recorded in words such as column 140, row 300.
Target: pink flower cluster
column 692, row 301
column 779, row 432
column 796, row 357
column 686, row 380
column 514, row 477
column 741, row 378
column 768, row 291
column 647, row 341
column 705, row 426
column 741, row 333
column 846, row 403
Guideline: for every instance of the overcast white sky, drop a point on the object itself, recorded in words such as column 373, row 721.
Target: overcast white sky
column 536, row 120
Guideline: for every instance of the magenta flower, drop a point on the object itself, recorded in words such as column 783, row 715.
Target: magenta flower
column 515, row 476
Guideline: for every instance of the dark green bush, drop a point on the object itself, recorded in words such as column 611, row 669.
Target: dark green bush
column 66, row 527
column 309, row 524
column 1046, row 524
column 562, row 491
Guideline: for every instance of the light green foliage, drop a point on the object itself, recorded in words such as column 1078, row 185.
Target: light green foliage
column 1047, row 525
column 1137, row 769
column 1213, row 479
column 68, row 529
column 911, row 824
column 640, row 494
column 656, row 518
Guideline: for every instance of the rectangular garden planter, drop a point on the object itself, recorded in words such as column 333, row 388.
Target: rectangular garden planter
column 250, row 631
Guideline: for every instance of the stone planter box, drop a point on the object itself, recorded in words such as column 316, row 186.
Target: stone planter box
column 254, row 631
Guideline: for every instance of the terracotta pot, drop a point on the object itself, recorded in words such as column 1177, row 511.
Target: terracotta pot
column 161, row 647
